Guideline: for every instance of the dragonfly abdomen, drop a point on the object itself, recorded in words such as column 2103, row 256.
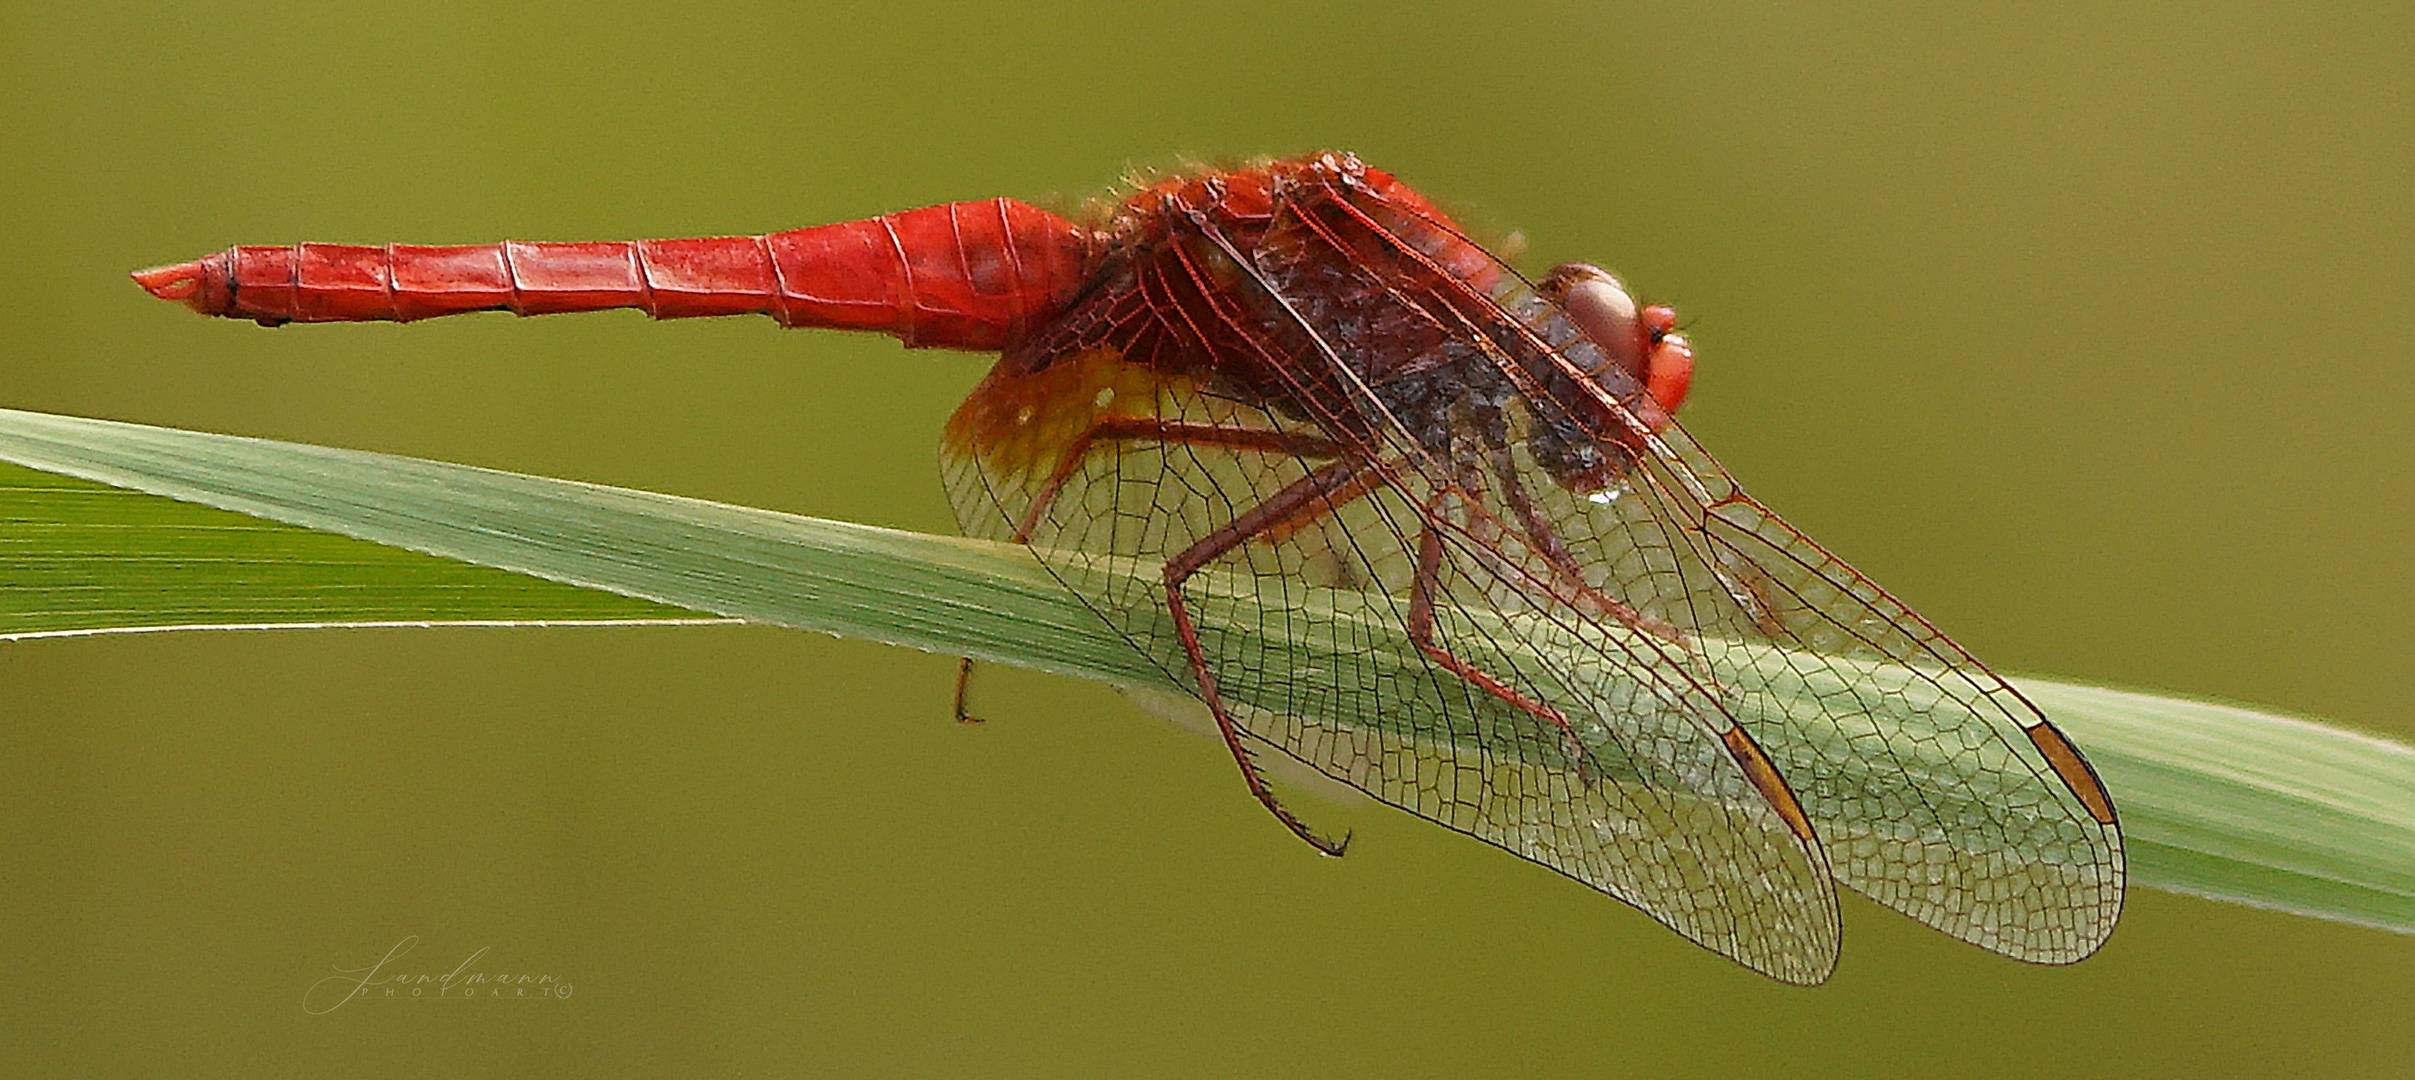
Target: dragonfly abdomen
column 968, row 275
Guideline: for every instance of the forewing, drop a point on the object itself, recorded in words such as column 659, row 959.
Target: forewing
column 1306, row 631
column 1938, row 790
column 1941, row 791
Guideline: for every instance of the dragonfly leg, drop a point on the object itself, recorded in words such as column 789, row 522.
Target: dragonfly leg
column 1750, row 586
column 1143, row 429
column 1316, row 493
column 964, row 678
column 1740, row 744
column 1546, row 542
column 1175, row 432
column 1421, row 634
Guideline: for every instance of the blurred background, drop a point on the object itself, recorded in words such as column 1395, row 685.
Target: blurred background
column 2083, row 328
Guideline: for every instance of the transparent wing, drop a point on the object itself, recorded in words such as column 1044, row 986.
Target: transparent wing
column 1938, row 790
column 1106, row 459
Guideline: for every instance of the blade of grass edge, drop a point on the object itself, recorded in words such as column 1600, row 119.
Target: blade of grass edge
column 79, row 558
column 2217, row 801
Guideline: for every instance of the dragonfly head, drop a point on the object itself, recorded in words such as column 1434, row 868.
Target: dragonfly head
column 1636, row 360
column 1641, row 341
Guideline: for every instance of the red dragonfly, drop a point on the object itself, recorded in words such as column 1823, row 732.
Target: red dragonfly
column 1297, row 386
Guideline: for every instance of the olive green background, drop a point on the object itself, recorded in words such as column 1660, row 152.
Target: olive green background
column 2085, row 329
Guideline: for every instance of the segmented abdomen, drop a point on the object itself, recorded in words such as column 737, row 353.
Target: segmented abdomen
column 969, row 275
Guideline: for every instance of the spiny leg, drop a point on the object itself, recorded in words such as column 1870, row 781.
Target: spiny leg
column 1546, row 542
column 964, row 679
column 1421, row 634
column 1318, row 492
column 1740, row 744
column 1150, row 429
column 1166, row 432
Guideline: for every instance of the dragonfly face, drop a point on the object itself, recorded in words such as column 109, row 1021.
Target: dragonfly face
column 1643, row 343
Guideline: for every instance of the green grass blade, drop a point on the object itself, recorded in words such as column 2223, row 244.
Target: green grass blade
column 2234, row 804
column 79, row 557
column 2217, row 801
column 932, row 593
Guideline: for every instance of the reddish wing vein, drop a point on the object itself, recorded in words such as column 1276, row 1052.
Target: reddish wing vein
column 1922, row 768
column 1676, row 829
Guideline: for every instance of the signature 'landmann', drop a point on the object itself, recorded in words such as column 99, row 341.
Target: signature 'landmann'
column 382, row 980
